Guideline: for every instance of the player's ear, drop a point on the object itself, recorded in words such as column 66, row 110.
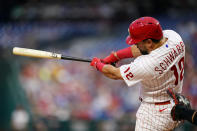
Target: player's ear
column 149, row 43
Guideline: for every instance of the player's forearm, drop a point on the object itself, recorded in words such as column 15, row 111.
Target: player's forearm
column 107, row 69
column 111, row 72
column 129, row 52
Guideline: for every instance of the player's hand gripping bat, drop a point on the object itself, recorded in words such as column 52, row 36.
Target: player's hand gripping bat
column 46, row 54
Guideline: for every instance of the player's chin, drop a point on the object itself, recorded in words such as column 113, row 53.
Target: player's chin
column 143, row 52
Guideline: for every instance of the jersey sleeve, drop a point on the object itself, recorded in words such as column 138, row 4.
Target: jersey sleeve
column 134, row 72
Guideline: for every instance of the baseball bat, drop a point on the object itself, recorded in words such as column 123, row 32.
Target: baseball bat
column 45, row 54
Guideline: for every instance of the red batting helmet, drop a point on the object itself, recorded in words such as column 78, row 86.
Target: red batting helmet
column 144, row 28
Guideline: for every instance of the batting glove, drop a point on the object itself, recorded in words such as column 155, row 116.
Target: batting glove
column 96, row 62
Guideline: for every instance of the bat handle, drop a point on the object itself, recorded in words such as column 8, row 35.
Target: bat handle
column 81, row 59
column 75, row 58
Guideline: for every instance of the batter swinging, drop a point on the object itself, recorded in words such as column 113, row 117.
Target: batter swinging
column 159, row 65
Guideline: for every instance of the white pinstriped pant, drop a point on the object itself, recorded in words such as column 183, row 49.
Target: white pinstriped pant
column 149, row 118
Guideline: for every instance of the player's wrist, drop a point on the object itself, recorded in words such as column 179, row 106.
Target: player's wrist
column 100, row 66
column 96, row 62
column 120, row 54
column 111, row 58
column 124, row 53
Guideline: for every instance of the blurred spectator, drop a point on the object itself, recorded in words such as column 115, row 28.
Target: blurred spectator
column 20, row 119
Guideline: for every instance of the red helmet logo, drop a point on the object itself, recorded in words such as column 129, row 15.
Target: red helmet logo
column 144, row 28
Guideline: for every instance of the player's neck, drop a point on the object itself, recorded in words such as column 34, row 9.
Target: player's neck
column 163, row 40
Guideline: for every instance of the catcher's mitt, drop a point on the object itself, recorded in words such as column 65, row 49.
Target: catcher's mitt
column 181, row 103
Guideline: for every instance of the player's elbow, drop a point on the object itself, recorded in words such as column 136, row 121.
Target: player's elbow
column 117, row 75
column 117, row 78
column 114, row 77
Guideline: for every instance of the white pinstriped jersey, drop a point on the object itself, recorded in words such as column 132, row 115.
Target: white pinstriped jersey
column 161, row 69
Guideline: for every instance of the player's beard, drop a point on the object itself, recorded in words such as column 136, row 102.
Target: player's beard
column 143, row 52
column 142, row 48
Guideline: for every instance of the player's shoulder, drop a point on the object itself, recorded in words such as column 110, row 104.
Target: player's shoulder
column 169, row 31
column 172, row 35
column 145, row 62
column 142, row 59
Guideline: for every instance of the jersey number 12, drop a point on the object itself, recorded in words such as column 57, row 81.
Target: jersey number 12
column 181, row 68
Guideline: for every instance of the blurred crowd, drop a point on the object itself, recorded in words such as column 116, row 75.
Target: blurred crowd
column 91, row 10
column 67, row 90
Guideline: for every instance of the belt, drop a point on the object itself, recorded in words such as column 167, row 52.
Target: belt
column 162, row 103
column 158, row 103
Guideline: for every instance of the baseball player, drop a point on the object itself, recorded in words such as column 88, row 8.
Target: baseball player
column 159, row 65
